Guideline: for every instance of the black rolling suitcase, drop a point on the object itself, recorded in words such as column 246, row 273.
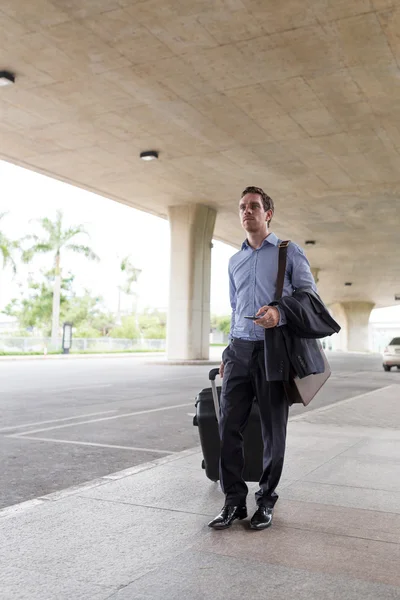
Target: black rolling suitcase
column 207, row 409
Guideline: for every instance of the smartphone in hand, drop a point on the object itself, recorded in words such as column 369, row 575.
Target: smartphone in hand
column 254, row 318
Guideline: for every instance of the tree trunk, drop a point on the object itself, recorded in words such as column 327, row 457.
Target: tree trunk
column 55, row 324
column 1, row 271
column 135, row 312
column 118, row 320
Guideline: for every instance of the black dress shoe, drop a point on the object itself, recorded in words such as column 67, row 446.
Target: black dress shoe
column 227, row 515
column 262, row 518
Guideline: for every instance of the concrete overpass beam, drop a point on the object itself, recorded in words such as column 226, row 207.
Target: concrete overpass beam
column 353, row 317
column 188, row 328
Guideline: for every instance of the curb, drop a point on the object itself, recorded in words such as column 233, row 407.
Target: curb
column 22, row 507
column 144, row 355
column 304, row 416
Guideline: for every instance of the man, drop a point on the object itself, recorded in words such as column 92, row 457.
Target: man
column 252, row 276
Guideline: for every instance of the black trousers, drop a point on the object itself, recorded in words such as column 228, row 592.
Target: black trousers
column 244, row 378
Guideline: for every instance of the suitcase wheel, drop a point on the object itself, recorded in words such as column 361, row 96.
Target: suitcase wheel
column 203, row 464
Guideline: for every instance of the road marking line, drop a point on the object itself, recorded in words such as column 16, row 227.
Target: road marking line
column 131, row 414
column 58, row 389
column 335, row 404
column 82, row 387
column 40, row 439
column 197, row 376
column 104, row 412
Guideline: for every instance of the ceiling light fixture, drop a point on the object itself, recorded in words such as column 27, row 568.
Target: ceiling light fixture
column 348, row 283
column 6, row 78
column 149, row 155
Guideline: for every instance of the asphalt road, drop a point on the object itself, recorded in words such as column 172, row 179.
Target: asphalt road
column 66, row 422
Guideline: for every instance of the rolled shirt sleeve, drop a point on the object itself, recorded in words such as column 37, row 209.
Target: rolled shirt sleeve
column 282, row 317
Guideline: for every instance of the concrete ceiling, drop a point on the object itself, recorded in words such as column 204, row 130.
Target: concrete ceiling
column 301, row 97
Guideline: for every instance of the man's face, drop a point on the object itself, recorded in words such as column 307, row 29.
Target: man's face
column 253, row 217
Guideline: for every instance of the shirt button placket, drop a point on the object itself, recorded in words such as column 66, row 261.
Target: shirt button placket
column 254, row 285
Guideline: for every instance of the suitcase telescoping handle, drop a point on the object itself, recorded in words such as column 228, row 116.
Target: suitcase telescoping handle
column 212, row 375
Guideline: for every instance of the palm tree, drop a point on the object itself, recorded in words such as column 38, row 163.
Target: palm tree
column 57, row 240
column 131, row 276
column 7, row 248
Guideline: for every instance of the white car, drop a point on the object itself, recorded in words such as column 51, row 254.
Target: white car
column 391, row 355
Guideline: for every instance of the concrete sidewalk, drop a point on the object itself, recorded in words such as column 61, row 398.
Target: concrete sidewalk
column 142, row 534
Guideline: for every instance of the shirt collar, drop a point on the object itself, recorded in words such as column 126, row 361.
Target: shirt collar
column 270, row 239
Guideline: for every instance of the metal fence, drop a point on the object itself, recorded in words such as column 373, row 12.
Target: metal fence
column 101, row 344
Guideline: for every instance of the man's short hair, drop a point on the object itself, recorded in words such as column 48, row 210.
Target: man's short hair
column 267, row 201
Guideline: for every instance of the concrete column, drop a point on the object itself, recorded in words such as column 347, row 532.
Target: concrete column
column 357, row 325
column 339, row 340
column 353, row 317
column 188, row 327
column 315, row 273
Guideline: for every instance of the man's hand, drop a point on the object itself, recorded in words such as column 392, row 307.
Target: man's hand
column 270, row 317
column 221, row 369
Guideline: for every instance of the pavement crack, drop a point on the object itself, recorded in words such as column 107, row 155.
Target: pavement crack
column 186, row 512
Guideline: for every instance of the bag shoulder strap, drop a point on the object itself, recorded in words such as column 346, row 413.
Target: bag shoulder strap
column 283, row 246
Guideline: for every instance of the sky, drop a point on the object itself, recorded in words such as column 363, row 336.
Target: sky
column 115, row 231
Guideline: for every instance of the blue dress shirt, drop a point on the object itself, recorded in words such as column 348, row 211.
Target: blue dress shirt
column 252, row 282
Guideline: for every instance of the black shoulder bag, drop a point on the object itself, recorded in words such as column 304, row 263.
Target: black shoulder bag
column 299, row 390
